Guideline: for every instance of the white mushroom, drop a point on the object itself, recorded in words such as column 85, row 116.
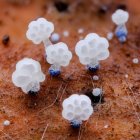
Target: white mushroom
column 120, row 17
column 28, row 75
column 6, row 123
column 58, row 55
column 39, row 31
column 92, row 49
column 55, row 37
column 97, row 91
column 77, row 108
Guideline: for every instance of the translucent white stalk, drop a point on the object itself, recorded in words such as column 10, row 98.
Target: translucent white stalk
column 121, row 32
column 33, row 87
column 94, row 63
column 47, row 42
column 55, row 67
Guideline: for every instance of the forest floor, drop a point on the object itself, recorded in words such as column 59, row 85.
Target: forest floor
column 117, row 117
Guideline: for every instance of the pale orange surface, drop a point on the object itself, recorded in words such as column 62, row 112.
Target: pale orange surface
column 29, row 116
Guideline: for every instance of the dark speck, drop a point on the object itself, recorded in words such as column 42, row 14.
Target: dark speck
column 74, row 124
column 127, row 54
column 32, row 93
column 95, row 99
column 61, row 6
column 103, row 9
column 5, row 39
column 1, row 22
column 122, row 6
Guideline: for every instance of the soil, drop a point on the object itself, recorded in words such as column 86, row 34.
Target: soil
column 39, row 117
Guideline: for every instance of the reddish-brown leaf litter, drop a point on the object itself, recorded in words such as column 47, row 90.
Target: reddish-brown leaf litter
column 39, row 117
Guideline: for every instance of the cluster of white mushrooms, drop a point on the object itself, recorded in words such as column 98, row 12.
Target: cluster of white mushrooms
column 56, row 54
column 90, row 50
column 28, row 75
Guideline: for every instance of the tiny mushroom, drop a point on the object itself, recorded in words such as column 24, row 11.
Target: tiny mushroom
column 110, row 36
column 97, row 91
column 28, row 75
column 55, row 37
column 66, row 33
column 95, row 77
column 135, row 60
column 6, row 123
column 77, row 108
column 58, row 55
column 39, row 31
column 120, row 17
column 91, row 50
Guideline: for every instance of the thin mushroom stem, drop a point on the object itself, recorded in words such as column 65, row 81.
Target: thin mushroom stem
column 47, row 42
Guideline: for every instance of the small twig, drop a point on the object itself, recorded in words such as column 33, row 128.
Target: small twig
column 101, row 95
column 68, row 77
column 44, row 132
column 80, row 131
column 53, row 101
column 79, row 134
column 136, row 113
column 63, row 93
column 132, row 92
column 92, row 81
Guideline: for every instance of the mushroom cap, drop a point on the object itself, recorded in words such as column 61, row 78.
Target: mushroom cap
column 27, row 73
column 58, row 54
column 120, row 17
column 39, row 30
column 77, row 107
column 92, row 48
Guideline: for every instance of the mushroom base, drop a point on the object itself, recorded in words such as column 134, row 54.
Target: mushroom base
column 93, row 68
column 121, row 33
column 75, row 124
column 32, row 93
column 53, row 72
